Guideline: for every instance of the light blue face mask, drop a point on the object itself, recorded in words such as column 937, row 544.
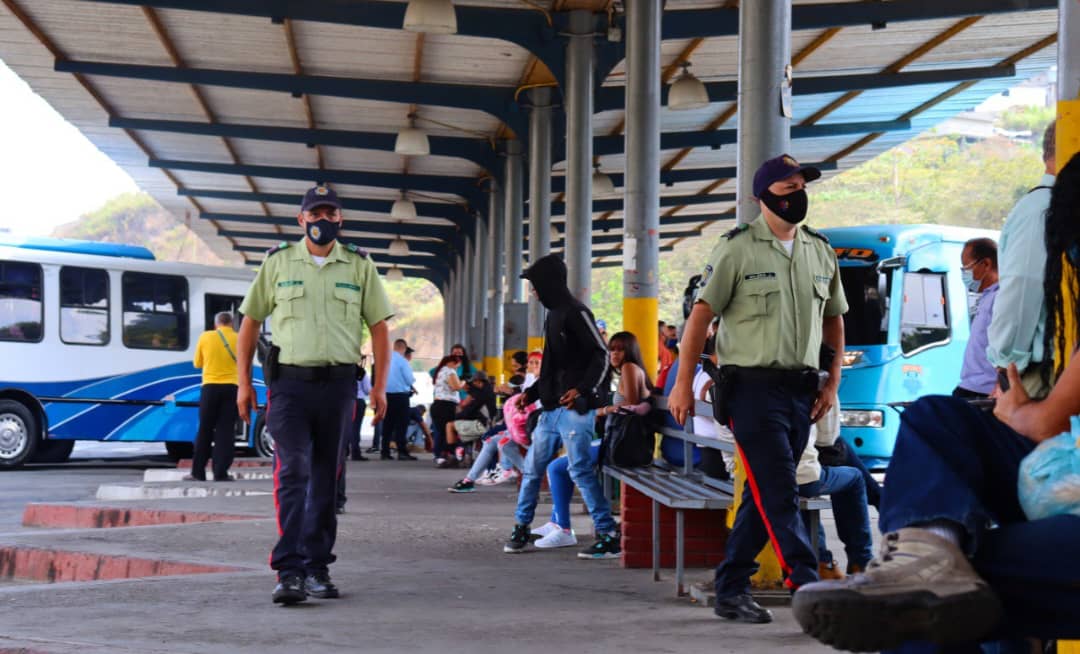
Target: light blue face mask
column 970, row 283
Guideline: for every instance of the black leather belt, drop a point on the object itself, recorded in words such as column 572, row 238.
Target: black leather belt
column 809, row 380
column 318, row 373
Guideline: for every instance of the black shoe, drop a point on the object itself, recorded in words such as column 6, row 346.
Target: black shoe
column 385, row 456
column 359, row 457
column 192, row 478
column 290, row 590
column 319, row 585
column 606, row 547
column 406, row 457
column 742, row 608
column 519, row 540
column 224, row 477
column 372, row 450
column 340, row 510
column 462, row 486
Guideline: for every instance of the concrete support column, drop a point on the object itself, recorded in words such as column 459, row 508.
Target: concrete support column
column 1068, row 109
column 483, row 274
column 447, row 304
column 493, row 354
column 580, row 64
column 460, row 302
column 641, row 240
column 468, row 295
column 514, row 209
column 539, row 199
column 764, row 60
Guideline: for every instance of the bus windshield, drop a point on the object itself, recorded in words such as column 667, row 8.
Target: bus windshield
column 867, row 291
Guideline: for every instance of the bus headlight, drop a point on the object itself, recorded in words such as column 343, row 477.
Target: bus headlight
column 851, row 357
column 862, row 418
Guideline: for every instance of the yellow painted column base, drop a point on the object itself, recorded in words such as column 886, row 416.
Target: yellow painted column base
column 769, row 575
column 493, row 367
column 536, row 343
column 1068, row 131
column 639, row 318
column 1068, row 647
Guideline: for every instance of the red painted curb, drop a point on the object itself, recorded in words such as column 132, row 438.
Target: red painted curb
column 76, row 516
column 57, row 566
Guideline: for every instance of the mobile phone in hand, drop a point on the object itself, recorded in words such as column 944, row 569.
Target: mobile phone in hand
column 1003, row 380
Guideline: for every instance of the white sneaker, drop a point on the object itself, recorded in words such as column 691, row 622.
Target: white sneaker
column 504, row 476
column 488, row 479
column 557, row 538
column 546, row 529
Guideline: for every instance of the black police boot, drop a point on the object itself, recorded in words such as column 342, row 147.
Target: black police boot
column 289, row 590
column 519, row 540
column 742, row 608
column 319, row 585
column 385, row 456
column 406, row 457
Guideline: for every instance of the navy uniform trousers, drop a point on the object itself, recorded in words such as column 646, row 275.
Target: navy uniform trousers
column 771, row 424
column 307, row 420
column 958, row 463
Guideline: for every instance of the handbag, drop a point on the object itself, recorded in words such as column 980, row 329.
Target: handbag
column 628, row 441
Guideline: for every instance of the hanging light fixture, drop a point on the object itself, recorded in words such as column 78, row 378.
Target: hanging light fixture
column 399, row 247
column 412, row 140
column 403, row 209
column 394, row 275
column 687, row 92
column 431, row 16
column 602, row 186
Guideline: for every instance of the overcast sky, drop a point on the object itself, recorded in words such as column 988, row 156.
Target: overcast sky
column 49, row 172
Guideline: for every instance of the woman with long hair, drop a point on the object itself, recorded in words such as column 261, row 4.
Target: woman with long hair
column 632, row 394
column 444, row 406
column 1060, row 287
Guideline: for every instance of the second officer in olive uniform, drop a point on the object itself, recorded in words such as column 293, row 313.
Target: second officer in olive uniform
column 319, row 293
column 776, row 287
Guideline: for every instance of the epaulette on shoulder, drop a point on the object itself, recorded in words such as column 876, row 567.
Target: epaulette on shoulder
column 356, row 249
column 813, row 232
column 284, row 245
column 735, row 232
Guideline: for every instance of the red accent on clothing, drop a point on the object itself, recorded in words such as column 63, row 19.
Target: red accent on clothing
column 761, row 511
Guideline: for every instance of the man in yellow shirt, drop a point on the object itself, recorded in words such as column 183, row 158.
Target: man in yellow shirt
column 215, row 354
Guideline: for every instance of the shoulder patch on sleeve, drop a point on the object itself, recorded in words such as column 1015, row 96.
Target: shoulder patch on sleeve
column 356, row 249
column 284, row 245
column 735, row 232
column 813, row 232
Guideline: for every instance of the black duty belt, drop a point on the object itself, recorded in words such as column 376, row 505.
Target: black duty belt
column 318, row 373
column 808, row 380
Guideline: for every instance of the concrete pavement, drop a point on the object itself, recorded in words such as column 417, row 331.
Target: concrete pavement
column 420, row 569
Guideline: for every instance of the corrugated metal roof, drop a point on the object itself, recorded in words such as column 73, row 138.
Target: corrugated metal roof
column 34, row 34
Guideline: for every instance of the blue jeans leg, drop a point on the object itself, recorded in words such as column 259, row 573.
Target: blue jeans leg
column 484, row 459
column 577, row 434
column 562, row 489
column 510, row 456
column 845, row 487
column 545, row 443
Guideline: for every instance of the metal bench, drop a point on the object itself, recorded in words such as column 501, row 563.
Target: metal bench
column 686, row 488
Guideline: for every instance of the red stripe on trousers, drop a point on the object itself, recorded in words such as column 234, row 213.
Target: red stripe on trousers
column 764, row 518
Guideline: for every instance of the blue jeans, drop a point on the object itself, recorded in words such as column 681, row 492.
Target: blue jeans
column 574, row 431
column 562, row 487
column 485, row 459
column 960, row 464
column 511, row 457
column 845, row 487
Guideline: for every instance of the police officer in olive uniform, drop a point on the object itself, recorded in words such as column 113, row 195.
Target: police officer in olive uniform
column 776, row 287
column 319, row 293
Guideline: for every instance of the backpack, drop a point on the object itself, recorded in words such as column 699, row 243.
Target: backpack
column 629, row 442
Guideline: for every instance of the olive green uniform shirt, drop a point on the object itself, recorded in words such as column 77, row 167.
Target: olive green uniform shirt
column 771, row 304
column 317, row 313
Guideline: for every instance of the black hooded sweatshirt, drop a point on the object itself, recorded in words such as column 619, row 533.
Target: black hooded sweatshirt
column 575, row 355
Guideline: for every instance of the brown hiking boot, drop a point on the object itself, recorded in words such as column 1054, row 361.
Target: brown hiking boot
column 829, row 571
column 921, row 587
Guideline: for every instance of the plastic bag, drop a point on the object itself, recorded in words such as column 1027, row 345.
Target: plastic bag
column 1050, row 476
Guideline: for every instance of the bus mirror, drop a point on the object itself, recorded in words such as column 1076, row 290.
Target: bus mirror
column 891, row 262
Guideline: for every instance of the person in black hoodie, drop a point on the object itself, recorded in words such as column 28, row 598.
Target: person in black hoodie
column 573, row 381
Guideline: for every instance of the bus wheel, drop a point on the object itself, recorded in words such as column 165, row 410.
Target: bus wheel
column 53, row 451
column 179, row 449
column 18, row 434
column 264, row 442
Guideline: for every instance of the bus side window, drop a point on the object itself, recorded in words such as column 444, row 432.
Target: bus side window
column 84, row 306
column 924, row 319
column 155, row 311
column 21, row 307
column 215, row 304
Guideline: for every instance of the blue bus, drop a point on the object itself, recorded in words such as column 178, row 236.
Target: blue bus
column 97, row 342
column 906, row 327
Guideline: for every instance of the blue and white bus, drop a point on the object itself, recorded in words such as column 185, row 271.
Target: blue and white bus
column 97, row 342
column 907, row 324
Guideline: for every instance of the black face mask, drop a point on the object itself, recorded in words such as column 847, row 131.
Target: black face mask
column 322, row 231
column 790, row 208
